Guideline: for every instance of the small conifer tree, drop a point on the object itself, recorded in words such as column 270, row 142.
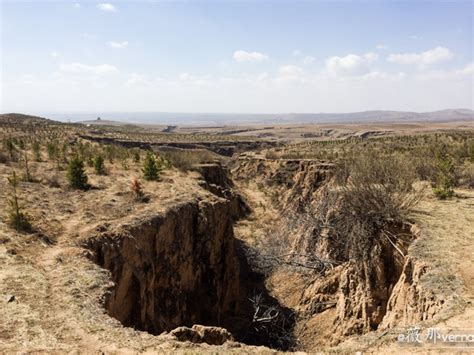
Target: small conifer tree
column 27, row 176
column 99, row 166
column 36, row 150
column 16, row 218
column 445, row 177
column 10, row 147
column 151, row 169
column 76, row 175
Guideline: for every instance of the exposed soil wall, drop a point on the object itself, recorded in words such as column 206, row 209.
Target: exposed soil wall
column 172, row 269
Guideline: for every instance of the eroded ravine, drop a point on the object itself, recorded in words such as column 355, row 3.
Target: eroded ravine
column 334, row 295
column 184, row 266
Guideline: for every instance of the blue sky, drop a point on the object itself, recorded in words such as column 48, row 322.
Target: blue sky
column 236, row 56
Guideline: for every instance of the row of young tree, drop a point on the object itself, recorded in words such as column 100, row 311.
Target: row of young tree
column 77, row 178
column 59, row 151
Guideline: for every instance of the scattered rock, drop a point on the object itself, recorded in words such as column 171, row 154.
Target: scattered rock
column 10, row 298
column 202, row 334
column 213, row 335
column 186, row 334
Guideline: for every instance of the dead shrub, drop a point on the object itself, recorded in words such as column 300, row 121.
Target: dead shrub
column 136, row 189
column 380, row 188
column 465, row 175
column 378, row 195
column 3, row 158
column 271, row 155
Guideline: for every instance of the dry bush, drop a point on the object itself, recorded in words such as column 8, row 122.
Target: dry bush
column 52, row 181
column 136, row 189
column 379, row 193
column 271, row 154
column 380, row 188
column 465, row 175
column 3, row 158
column 185, row 159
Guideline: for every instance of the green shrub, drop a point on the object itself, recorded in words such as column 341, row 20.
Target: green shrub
column 52, row 149
column 16, row 218
column 443, row 193
column 151, row 169
column 36, row 150
column 9, row 145
column 136, row 156
column 27, row 176
column 445, row 177
column 99, row 166
column 76, row 175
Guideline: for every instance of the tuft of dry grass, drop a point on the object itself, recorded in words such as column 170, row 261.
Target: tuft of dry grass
column 186, row 159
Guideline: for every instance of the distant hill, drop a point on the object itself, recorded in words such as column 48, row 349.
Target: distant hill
column 222, row 119
column 384, row 116
column 21, row 118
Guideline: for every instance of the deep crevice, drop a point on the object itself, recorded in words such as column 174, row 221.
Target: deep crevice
column 185, row 267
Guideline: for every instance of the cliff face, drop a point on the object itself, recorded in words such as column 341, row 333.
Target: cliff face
column 174, row 268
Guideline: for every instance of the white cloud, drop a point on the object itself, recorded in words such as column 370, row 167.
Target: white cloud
column 54, row 54
column 137, row 79
column 264, row 92
column 290, row 70
column 416, row 37
column 351, row 64
column 106, row 7
column 459, row 74
column 381, row 47
column 291, row 74
column 117, row 45
column 184, row 76
column 88, row 69
column 381, row 76
column 297, row 52
column 435, row 55
column 468, row 70
column 244, row 56
column 308, row 59
column 77, row 5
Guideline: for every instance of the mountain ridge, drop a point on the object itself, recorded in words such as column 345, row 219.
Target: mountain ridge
column 223, row 119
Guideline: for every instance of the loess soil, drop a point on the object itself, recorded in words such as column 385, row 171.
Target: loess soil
column 220, row 258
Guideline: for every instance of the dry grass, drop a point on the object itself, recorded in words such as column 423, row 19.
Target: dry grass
column 186, row 159
column 58, row 291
